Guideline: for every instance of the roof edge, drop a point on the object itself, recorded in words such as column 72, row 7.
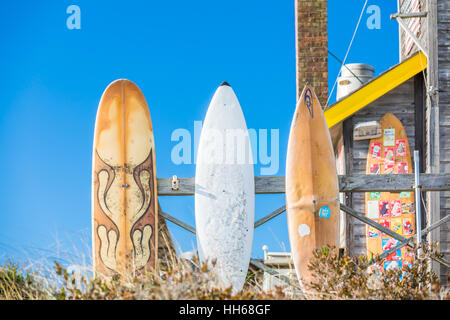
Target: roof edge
column 375, row 88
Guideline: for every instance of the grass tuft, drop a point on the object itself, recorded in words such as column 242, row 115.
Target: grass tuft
column 335, row 276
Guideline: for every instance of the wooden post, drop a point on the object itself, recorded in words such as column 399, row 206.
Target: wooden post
column 399, row 7
column 419, row 119
column 348, row 149
column 337, row 139
column 419, row 126
column 432, row 121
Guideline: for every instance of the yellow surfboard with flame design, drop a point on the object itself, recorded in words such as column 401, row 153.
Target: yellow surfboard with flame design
column 124, row 193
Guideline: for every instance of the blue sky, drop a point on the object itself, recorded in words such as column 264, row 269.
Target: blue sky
column 177, row 52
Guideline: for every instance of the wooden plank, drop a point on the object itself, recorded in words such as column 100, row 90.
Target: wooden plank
column 432, row 116
column 372, row 223
column 424, row 232
column 419, row 126
column 270, row 216
column 349, row 154
column 419, row 117
column 409, row 15
column 347, row 183
column 389, row 232
column 269, row 186
column 406, row 242
column 444, row 119
column 177, row 222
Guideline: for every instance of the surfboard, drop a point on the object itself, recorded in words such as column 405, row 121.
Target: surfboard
column 390, row 154
column 124, row 193
column 225, row 191
column 312, row 190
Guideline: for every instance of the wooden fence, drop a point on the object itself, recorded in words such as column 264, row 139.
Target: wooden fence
column 347, row 183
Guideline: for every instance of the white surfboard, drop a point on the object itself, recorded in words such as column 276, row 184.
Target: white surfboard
column 225, row 191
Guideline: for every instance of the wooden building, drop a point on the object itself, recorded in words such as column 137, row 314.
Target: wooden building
column 416, row 91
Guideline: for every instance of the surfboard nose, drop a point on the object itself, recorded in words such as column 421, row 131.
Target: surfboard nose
column 225, row 84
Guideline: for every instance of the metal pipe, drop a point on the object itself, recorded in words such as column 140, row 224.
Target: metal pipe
column 417, row 190
column 412, row 36
column 409, row 15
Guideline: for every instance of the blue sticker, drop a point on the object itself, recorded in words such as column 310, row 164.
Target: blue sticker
column 324, row 212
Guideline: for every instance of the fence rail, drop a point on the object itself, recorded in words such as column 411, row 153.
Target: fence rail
column 347, row 183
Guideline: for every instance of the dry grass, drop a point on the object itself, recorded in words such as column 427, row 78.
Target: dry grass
column 336, row 277
column 181, row 280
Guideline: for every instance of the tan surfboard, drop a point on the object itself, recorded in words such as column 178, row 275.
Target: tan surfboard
column 390, row 154
column 312, row 190
column 124, row 193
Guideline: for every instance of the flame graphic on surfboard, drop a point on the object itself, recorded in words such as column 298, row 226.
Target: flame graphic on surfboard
column 124, row 194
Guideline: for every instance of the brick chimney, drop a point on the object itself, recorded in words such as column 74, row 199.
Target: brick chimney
column 311, row 42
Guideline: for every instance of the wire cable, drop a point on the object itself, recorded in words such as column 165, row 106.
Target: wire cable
column 350, row 70
column 349, row 47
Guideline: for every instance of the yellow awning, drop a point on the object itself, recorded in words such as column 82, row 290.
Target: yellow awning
column 374, row 89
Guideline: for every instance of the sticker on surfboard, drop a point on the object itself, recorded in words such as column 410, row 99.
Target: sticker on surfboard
column 402, row 167
column 308, row 102
column 373, row 209
column 395, row 208
column 388, row 167
column 375, row 150
column 372, row 232
column 389, row 155
column 405, row 194
column 375, row 168
column 389, row 137
column 408, row 227
column 374, row 195
column 400, row 148
column 324, row 212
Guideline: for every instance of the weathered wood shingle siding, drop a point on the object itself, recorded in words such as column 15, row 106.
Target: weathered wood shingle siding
column 444, row 119
column 408, row 6
column 400, row 102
